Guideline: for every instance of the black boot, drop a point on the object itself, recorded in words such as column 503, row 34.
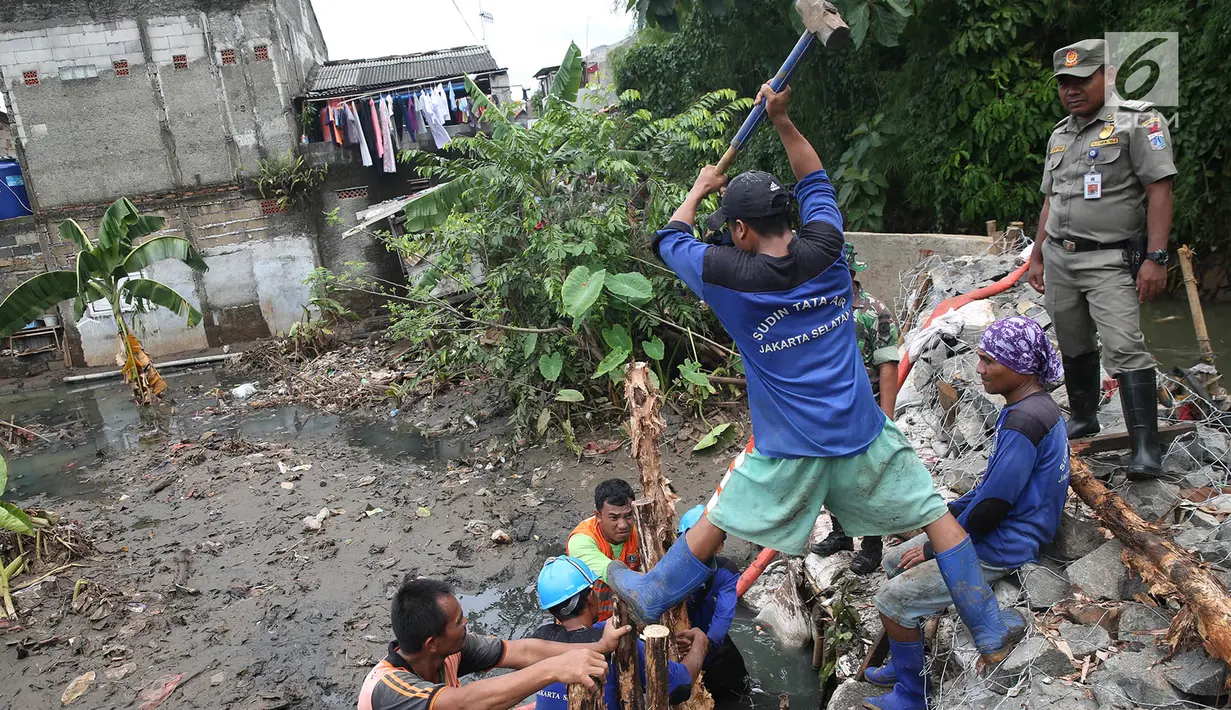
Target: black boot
column 835, row 542
column 1139, row 397
column 1081, row 379
column 869, row 557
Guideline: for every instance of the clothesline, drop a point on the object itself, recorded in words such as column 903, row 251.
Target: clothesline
column 394, row 89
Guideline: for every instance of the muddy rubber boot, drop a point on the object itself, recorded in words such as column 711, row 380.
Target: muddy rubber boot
column 868, row 560
column 835, row 542
column 675, row 576
column 1139, row 398
column 909, row 689
column 1081, row 379
column 976, row 604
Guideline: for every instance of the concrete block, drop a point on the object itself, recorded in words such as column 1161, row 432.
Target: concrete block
column 59, row 40
column 100, row 50
column 8, row 59
column 35, row 56
column 134, row 49
column 40, row 41
column 63, row 54
column 92, row 37
column 159, row 43
column 16, row 44
column 127, row 34
column 161, row 56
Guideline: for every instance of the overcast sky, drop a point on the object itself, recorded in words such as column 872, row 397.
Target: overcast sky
column 525, row 36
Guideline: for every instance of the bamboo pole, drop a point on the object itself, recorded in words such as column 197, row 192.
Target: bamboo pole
column 582, row 698
column 1194, row 305
column 657, row 693
column 1194, row 583
column 628, row 680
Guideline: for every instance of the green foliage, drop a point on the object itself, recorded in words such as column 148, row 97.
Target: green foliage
column 542, row 234
column 712, row 437
column 964, row 94
column 862, row 187
column 107, row 270
column 289, row 179
column 313, row 333
column 11, row 517
column 883, row 19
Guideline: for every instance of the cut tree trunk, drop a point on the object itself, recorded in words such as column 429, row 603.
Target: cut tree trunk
column 582, row 698
column 631, row 693
column 1197, row 588
column 657, row 693
column 654, row 513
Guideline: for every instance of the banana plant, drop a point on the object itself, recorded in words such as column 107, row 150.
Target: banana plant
column 110, row 270
column 14, row 519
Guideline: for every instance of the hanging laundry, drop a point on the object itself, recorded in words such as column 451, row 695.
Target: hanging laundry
column 380, row 138
column 386, row 105
column 369, row 128
column 412, row 115
column 353, row 120
column 386, row 127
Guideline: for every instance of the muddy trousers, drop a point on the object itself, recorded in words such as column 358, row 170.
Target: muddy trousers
column 1091, row 296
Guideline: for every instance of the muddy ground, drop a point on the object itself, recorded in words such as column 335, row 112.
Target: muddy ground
column 204, row 566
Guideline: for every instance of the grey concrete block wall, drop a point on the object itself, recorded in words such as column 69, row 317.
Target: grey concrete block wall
column 888, row 256
column 88, row 134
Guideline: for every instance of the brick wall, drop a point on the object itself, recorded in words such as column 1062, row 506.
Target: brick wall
column 21, row 254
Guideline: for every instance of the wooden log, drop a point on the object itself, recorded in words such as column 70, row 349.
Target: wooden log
column 582, row 698
column 657, row 693
column 818, row 636
column 628, row 679
column 1197, row 588
column 654, row 512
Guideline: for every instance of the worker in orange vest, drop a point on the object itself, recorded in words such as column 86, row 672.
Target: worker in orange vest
column 607, row 535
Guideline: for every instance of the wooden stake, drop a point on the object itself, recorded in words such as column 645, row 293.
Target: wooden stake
column 1194, row 305
column 1197, row 588
column 656, row 690
column 818, row 636
column 631, row 694
column 654, row 513
column 582, row 698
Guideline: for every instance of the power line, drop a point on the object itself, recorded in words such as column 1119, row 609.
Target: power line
column 463, row 16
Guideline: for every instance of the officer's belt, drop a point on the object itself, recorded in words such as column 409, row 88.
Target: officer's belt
column 1077, row 244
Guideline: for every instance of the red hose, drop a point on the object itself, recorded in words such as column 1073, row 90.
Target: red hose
column 754, row 571
column 956, row 302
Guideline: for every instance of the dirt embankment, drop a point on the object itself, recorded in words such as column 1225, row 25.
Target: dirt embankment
column 206, row 568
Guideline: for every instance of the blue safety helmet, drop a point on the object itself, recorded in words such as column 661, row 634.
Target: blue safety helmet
column 561, row 579
column 690, row 518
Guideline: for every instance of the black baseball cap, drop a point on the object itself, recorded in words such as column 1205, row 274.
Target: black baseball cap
column 753, row 195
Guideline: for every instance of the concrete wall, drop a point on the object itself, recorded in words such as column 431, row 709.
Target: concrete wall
column 888, row 256
column 90, row 131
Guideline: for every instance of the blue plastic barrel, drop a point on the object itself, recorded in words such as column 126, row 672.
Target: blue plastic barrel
column 14, row 202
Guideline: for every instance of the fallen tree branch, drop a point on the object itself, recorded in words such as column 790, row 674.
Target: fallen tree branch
column 1198, row 588
column 23, row 430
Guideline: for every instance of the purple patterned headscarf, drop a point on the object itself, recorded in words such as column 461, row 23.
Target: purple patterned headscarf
column 1020, row 344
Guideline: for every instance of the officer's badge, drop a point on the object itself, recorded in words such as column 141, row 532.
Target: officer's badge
column 1107, row 130
column 1056, row 149
column 1157, row 141
column 1149, row 122
column 1070, row 59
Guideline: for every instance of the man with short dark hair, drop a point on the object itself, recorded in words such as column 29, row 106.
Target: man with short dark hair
column 607, row 535
column 432, row 651
column 565, row 589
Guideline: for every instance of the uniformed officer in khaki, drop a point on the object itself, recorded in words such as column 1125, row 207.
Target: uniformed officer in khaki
column 1107, row 179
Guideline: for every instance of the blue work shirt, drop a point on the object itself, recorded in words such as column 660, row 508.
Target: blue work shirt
column 555, row 696
column 712, row 607
column 791, row 319
column 1028, row 471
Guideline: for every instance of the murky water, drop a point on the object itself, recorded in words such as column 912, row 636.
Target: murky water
column 1168, row 328
column 104, row 423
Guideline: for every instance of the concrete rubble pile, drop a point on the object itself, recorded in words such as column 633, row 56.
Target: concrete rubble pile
column 1097, row 635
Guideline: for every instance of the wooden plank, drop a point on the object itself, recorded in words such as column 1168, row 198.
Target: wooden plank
column 1102, row 443
column 877, row 653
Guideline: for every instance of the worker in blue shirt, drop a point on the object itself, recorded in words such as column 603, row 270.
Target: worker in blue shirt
column 711, row 608
column 1012, row 511
column 819, row 438
column 565, row 588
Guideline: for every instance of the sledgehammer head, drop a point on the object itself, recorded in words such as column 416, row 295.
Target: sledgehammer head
column 822, row 19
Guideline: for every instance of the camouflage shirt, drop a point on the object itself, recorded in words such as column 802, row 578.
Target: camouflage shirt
column 877, row 332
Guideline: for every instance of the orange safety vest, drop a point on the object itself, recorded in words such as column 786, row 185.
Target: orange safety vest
column 606, row 597
column 384, row 669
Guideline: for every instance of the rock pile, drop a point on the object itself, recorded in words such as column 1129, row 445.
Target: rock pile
column 1096, row 640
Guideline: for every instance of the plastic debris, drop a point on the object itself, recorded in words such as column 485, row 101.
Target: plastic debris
column 119, row 672
column 500, row 537
column 155, row 693
column 288, row 485
column 244, row 391
column 424, row 512
column 314, row 522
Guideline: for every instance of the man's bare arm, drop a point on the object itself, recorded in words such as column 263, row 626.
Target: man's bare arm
column 799, row 151
column 505, row 691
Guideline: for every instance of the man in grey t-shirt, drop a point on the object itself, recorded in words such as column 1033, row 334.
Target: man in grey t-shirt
column 433, row 652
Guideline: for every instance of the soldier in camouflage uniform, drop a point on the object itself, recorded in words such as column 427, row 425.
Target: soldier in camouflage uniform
column 876, row 329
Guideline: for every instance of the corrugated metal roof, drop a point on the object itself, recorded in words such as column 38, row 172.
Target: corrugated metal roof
column 348, row 76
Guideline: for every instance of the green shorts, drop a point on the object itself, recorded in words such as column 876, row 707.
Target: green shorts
column 775, row 502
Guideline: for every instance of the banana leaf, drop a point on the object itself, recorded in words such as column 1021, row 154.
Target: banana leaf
column 433, row 206
column 70, row 231
column 113, row 229
column 567, row 81
column 33, row 297
column 160, row 248
column 163, row 295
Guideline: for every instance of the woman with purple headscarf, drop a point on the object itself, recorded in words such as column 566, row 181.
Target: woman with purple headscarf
column 1016, row 507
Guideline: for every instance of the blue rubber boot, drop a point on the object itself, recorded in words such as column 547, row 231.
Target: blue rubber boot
column 675, row 576
column 886, row 676
column 910, row 691
column 976, row 604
